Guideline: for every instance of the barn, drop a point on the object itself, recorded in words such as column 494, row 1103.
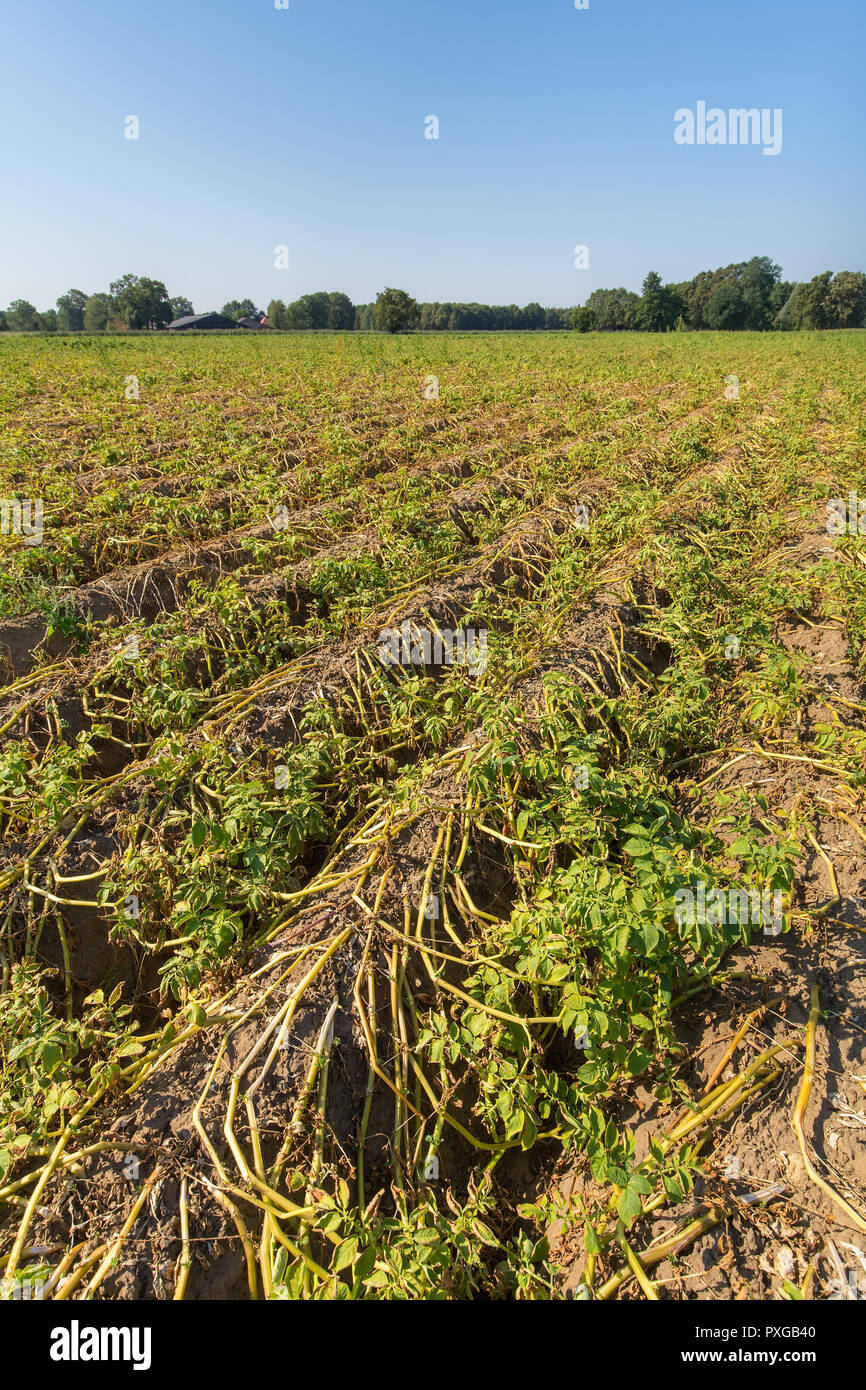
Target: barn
column 199, row 321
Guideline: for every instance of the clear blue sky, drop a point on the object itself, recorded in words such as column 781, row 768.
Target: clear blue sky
column 305, row 127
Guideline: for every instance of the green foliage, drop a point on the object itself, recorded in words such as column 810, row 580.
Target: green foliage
column 240, row 309
column 21, row 316
column 396, row 311
column 99, row 310
column 614, row 309
column 726, row 308
column 70, row 311
column 180, row 307
column 223, row 768
column 47, row 1062
column 141, row 302
column 583, row 320
column 660, row 305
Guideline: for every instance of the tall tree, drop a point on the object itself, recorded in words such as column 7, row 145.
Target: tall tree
column 21, row 316
column 779, row 296
column 241, row 309
column 311, row 310
column 756, row 282
column 396, row 310
column 614, row 309
column 847, row 300
column 180, row 307
column 70, row 311
column 533, row 316
column 341, row 310
column 660, row 306
column 141, row 302
column 727, row 308
column 98, row 311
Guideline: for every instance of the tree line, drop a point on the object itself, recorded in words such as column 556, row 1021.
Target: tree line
column 747, row 295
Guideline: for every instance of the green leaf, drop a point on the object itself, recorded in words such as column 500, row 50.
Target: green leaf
column 365, row 1263
column 345, row 1255
column 650, row 933
column 484, row 1233
column 628, row 1206
column 638, row 1060
column 638, row 849
column 529, row 1132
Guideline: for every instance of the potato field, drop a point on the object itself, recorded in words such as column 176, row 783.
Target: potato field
column 433, row 816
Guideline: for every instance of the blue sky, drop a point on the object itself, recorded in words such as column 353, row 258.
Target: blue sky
column 306, row 127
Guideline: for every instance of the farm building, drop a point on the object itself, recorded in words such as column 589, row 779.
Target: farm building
column 199, row 321
column 254, row 323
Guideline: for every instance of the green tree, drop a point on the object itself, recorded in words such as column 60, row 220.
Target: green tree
column 779, row 296
column 98, row 310
column 697, row 292
column 813, row 307
column 141, row 302
column 21, row 316
column 660, row 305
column 583, row 320
column 533, row 316
column 847, row 300
column 298, row 314
column 277, row 314
column 727, row 308
column 180, row 307
column 650, row 315
column 70, row 311
column 396, row 310
column 315, row 308
column 46, row 321
column 614, row 309
column 341, row 310
column 788, row 315
column 757, row 280
column 240, row 309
